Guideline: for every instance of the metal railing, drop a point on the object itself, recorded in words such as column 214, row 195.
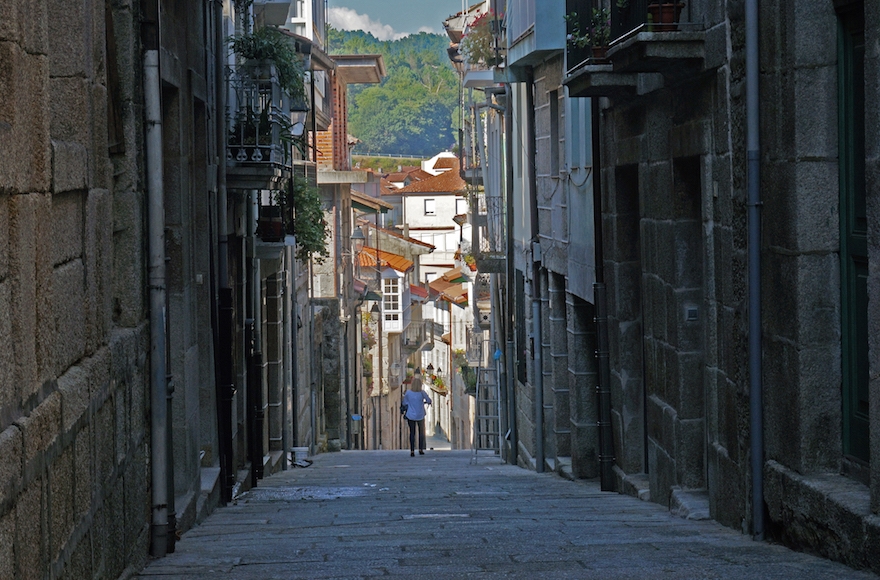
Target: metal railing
column 258, row 116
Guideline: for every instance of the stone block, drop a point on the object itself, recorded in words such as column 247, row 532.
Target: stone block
column 10, row 13
column 21, row 290
column 690, row 453
column 42, row 427
column 688, row 375
column 105, row 444
column 67, row 224
column 818, row 300
column 69, row 307
column 70, row 162
column 74, row 388
column 60, row 501
column 83, row 469
column 820, row 407
column 11, row 449
column 101, row 170
column 98, row 245
column 4, row 238
column 67, row 38
column 813, row 38
column 33, row 20
column 815, row 107
column 816, row 213
column 71, row 117
column 30, row 530
column 80, row 563
column 661, row 473
column 7, row 533
column 782, row 403
column 24, row 129
column 10, row 393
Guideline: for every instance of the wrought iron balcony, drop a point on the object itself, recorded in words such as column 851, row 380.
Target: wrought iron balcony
column 258, row 152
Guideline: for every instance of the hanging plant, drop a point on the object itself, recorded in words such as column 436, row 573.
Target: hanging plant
column 270, row 44
column 478, row 44
column 309, row 225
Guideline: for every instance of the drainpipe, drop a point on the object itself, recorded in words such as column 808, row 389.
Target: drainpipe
column 255, row 364
column 225, row 328
column 538, row 370
column 511, row 355
column 756, row 387
column 156, row 274
column 606, row 442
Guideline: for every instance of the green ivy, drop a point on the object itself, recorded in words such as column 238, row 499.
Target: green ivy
column 309, row 225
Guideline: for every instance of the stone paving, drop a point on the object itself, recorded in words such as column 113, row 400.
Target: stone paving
column 364, row 514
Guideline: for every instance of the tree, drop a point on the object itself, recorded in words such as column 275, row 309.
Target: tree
column 411, row 111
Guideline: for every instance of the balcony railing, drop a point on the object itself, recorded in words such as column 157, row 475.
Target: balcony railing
column 634, row 16
column 258, row 116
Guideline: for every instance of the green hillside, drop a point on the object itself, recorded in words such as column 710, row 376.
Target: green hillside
column 414, row 110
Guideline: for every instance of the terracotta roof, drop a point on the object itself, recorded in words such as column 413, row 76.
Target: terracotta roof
column 395, row 234
column 453, row 292
column 367, row 258
column 419, row 174
column 397, row 176
column 446, row 182
column 369, row 201
column 418, row 293
column 446, row 163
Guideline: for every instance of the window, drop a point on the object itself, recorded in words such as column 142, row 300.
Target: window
column 554, row 134
column 853, row 232
column 430, row 207
column 390, row 294
column 461, row 206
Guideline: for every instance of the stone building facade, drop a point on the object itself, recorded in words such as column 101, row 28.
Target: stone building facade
column 666, row 106
column 74, row 369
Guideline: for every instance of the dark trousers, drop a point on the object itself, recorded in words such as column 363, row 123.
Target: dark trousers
column 412, row 434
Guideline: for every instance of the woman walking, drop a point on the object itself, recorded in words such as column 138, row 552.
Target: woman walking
column 415, row 400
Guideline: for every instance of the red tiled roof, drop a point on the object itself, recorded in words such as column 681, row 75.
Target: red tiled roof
column 446, row 182
column 418, row 293
column 446, row 163
column 450, row 291
column 367, row 258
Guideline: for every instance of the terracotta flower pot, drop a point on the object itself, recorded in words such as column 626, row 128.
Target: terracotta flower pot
column 599, row 52
column 665, row 16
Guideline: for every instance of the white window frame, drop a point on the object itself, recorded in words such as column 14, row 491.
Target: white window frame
column 430, row 206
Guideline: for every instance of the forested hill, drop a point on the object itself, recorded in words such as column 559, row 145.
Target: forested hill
column 414, row 110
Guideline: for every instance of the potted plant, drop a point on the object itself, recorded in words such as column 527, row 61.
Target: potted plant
column 368, row 366
column 270, row 47
column 664, row 16
column 597, row 34
column 478, row 43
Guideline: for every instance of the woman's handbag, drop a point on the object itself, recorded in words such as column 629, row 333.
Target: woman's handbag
column 403, row 408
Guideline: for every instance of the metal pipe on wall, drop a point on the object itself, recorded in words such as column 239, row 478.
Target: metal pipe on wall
column 756, row 387
column 606, row 441
column 538, row 367
column 510, row 357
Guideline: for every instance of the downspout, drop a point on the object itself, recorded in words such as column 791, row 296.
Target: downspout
column 255, row 364
column 756, row 387
column 606, row 442
column 510, row 295
column 224, row 355
column 156, row 275
column 538, row 366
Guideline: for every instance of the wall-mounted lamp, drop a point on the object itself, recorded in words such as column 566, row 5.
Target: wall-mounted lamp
column 358, row 239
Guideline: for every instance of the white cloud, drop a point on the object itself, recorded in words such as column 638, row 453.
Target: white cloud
column 429, row 30
column 348, row 19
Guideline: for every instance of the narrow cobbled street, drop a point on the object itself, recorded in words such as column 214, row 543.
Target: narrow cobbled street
column 364, row 514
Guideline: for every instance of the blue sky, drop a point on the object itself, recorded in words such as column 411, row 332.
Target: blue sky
column 392, row 19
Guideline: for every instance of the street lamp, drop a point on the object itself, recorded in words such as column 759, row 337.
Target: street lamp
column 358, row 239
